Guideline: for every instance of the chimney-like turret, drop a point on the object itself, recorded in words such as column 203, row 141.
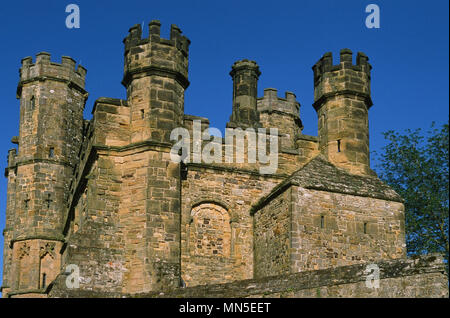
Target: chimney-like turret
column 245, row 76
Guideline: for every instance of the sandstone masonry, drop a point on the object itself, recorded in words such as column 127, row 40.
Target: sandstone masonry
column 104, row 195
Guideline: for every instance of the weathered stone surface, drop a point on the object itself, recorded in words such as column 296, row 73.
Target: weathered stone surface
column 342, row 100
column 320, row 174
column 105, row 195
column 245, row 76
column 420, row 277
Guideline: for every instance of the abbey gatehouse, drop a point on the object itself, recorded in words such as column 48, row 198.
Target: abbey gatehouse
column 103, row 208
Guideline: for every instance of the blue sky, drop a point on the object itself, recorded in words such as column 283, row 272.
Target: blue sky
column 409, row 53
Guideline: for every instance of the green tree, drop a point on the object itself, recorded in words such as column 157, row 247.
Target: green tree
column 416, row 164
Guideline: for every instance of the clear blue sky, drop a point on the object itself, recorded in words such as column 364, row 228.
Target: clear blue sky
column 409, row 53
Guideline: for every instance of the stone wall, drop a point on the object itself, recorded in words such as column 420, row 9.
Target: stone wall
column 232, row 188
column 231, row 192
column 332, row 229
column 332, row 218
column 272, row 236
column 107, row 196
column 424, row 276
column 124, row 209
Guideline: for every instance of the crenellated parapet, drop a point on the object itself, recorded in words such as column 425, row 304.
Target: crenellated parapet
column 283, row 113
column 270, row 102
column 156, row 55
column 343, row 78
column 44, row 69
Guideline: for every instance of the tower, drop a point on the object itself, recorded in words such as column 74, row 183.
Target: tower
column 342, row 101
column 283, row 113
column 52, row 100
column 155, row 76
column 245, row 76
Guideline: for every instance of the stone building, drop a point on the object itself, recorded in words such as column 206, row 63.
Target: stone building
column 105, row 195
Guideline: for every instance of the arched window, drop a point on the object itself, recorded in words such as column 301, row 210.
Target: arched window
column 210, row 231
column 32, row 102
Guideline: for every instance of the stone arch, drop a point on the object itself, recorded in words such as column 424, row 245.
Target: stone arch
column 23, row 273
column 47, row 264
column 210, row 230
column 214, row 200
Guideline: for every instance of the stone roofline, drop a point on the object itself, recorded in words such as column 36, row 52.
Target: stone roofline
column 291, row 181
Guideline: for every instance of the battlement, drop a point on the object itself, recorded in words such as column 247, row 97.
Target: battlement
column 156, row 55
column 44, row 68
column 325, row 64
column 345, row 78
column 134, row 37
column 270, row 102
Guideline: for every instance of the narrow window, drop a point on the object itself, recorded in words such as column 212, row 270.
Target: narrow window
column 32, row 102
column 44, row 278
column 321, row 221
column 142, row 113
column 365, row 228
column 339, row 145
column 26, row 202
column 48, row 200
column 51, row 152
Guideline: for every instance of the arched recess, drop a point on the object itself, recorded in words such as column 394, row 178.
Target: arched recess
column 23, row 273
column 214, row 200
column 47, row 264
column 210, row 231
